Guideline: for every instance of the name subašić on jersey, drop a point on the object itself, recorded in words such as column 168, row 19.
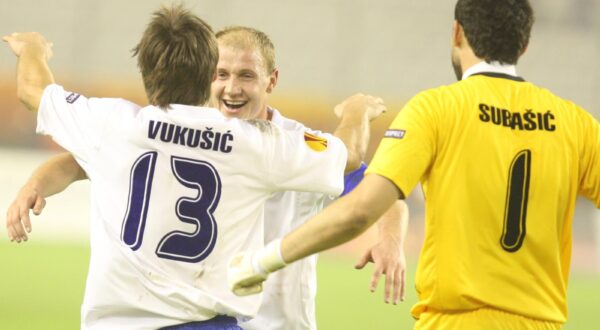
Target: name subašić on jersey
column 206, row 139
column 528, row 121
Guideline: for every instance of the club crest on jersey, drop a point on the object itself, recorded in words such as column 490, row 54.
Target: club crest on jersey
column 314, row 142
column 72, row 98
column 394, row 133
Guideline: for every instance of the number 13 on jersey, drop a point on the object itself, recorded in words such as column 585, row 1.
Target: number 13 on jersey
column 176, row 245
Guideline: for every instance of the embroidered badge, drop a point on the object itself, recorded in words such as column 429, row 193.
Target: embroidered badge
column 314, row 142
column 394, row 133
column 72, row 98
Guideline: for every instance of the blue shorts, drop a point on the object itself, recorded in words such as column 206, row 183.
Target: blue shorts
column 220, row 322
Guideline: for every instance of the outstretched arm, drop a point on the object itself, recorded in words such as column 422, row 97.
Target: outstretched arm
column 342, row 221
column 33, row 73
column 388, row 254
column 50, row 178
column 355, row 113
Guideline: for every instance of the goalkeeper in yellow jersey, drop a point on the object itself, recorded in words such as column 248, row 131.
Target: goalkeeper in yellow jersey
column 501, row 162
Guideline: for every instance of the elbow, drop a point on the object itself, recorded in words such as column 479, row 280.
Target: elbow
column 359, row 220
column 353, row 162
column 30, row 97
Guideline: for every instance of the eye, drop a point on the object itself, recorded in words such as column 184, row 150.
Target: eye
column 222, row 75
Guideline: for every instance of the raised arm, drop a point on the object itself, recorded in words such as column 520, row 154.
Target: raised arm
column 33, row 73
column 355, row 113
column 50, row 178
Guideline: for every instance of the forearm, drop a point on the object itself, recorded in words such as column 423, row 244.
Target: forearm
column 345, row 219
column 354, row 132
column 393, row 225
column 56, row 175
column 33, row 75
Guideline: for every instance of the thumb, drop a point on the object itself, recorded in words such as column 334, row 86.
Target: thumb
column 39, row 205
column 363, row 260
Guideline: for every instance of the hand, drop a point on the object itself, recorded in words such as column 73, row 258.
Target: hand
column 389, row 259
column 371, row 105
column 242, row 277
column 29, row 42
column 18, row 223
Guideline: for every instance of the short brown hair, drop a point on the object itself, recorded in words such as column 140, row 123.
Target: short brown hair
column 497, row 30
column 177, row 57
column 245, row 37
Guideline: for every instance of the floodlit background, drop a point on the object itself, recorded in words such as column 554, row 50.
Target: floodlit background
column 325, row 50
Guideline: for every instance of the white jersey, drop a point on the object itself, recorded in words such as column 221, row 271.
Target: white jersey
column 289, row 294
column 175, row 194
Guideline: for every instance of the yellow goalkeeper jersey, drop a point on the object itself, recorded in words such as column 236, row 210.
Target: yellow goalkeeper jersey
column 501, row 162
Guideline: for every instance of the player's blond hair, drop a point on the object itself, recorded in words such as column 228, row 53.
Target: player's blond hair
column 243, row 37
column 177, row 57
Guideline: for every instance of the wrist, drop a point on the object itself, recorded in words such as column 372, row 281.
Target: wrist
column 269, row 258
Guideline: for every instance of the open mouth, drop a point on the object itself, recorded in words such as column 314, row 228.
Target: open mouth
column 234, row 105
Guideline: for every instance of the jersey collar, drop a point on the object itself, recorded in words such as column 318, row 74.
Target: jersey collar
column 193, row 111
column 493, row 69
column 276, row 116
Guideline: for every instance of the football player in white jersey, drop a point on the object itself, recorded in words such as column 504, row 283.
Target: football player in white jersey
column 246, row 74
column 177, row 188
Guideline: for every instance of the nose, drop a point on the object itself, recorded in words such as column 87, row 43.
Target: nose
column 232, row 87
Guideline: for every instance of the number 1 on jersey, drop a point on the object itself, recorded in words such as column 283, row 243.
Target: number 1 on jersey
column 517, row 194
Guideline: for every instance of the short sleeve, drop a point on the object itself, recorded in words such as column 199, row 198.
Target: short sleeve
column 589, row 171
column 75, row 122
column 306, row 161
column 408, row 146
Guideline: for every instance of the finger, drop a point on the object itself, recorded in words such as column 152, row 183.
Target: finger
column 389, row 285
column 26, row 220
column 18, row 225
column 5, row 38
column 12, row 218
column 403, row 285
column 363, row 260
column 375, row 279
column 39, row 205
column 398, row 286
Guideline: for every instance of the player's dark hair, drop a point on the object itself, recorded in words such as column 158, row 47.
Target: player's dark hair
column 177, row 57
column 497, row 30
column 243, row 36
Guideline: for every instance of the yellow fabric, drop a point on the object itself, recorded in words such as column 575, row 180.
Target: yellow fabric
column 481, row 319
column 462, row 142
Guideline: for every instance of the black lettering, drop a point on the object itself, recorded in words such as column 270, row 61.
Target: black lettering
column 529, row 118
column 166, row 134
column 224, row 147
column 506, row 118
column 180, row 135
column 548, row 126
column 496, row 116
column 517, row 121
column 207, row 137
column 153, row 129
column 484, row 116
column 193, row 139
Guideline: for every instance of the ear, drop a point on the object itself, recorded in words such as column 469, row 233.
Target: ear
column 214, row 77
column 273, row 80
column 457, row 35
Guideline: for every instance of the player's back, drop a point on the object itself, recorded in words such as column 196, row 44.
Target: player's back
column 175, row 194
column 508, row 159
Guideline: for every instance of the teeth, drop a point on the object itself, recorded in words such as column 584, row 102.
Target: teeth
column 234, row 103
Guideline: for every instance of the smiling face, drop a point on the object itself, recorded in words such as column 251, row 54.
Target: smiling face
column 242, row 84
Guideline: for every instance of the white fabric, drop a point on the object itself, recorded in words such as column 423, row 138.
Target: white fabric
column 289, row 294
column 156, row 282
column 483, row 66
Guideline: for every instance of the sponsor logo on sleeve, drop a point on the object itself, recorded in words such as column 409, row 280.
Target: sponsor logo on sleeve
column 395, row 133
column 314, row 142
column 72, row 98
